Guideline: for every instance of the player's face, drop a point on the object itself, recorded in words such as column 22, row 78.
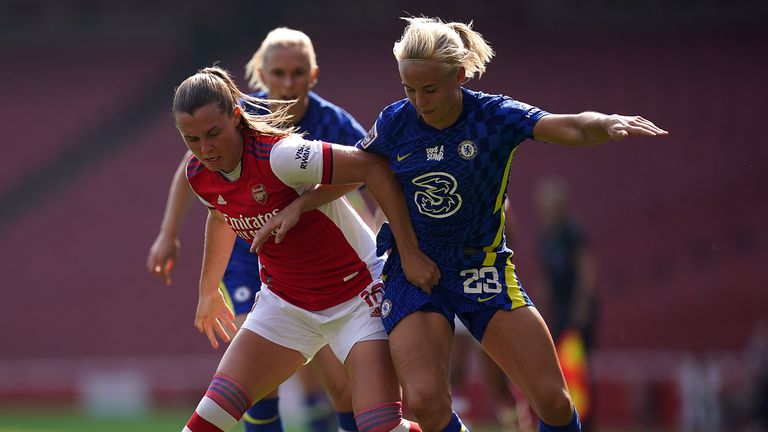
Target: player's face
column 287, row 73
column 212, row 136
column 433, row 91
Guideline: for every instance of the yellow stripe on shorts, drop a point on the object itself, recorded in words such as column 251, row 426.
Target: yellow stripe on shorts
column 227, row 298
column 513, row 285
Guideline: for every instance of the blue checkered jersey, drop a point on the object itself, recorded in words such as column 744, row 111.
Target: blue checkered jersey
column 454, row 179
column 327, row 122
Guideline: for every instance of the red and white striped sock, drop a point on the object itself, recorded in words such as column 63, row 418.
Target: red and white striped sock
column 386, row 417
column 221, row 407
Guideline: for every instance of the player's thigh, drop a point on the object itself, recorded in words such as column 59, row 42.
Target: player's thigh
column 373, row 379
column 520, row 343
column 334, row 378
column 258, row 364
column 420, row 345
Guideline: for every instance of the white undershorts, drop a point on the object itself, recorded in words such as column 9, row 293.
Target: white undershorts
column 341, row 326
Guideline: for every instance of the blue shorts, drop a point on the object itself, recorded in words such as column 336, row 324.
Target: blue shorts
column 473, row 288
column 241, row 280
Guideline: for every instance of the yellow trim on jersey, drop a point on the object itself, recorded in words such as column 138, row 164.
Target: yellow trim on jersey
column 227, row 298
column 513, row 285
column 490, row 255
column 256, row 421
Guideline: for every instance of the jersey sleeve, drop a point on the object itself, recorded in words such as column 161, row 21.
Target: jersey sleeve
column 519, row 118
column 296, row 161
column 205, row 203
column 374, row 141
column 194, row 168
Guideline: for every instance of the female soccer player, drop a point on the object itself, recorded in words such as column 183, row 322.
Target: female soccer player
column 283, row 68
column 451, row 149
column 319, row 287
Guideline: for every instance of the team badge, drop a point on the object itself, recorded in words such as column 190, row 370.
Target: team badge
column 259, row 193
column 242, row 294
column 467, row 150
column 386, row 308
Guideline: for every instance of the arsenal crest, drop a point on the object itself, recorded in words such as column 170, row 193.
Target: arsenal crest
column 259, row 193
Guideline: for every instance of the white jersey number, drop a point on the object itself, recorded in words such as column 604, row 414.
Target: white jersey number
column 484, row 280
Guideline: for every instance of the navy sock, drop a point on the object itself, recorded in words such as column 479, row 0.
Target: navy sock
column 319, row 412
column 263, row 417
column 455, row 425
column 573, row 426
column 346, row 421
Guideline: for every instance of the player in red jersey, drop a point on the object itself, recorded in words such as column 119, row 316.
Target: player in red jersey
column 283, row 68
column 320, row 286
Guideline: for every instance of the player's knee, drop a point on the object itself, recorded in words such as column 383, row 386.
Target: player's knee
column 340, row 394
column 429, row 406
column 554, row 407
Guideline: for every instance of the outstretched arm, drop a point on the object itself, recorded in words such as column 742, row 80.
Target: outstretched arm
column 213, row 314
column 165, row 249
column 592, row 128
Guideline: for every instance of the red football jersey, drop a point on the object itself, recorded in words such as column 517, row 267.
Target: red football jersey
column 329, row 256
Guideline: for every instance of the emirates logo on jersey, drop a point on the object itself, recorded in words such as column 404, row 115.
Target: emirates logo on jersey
column 259, row 193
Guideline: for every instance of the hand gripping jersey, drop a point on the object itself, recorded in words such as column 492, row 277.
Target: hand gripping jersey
column 329, row 256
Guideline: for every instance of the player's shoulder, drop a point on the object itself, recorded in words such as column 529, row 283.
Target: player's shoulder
column 395, row 116
column 500, row 105
column 391, row 122
column 485, row 101
column 329, row 111
column 194, row 167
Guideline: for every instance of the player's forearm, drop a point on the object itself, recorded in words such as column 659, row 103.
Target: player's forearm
column 383, row 185
column 219, row 239
column 322, row 195
column 179, row 199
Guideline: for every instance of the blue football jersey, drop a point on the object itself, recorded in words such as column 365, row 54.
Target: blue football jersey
column 455, row 179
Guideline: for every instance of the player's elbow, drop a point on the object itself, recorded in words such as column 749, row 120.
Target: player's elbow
column 376, row 169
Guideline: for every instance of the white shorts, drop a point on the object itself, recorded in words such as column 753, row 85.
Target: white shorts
column 341, row 327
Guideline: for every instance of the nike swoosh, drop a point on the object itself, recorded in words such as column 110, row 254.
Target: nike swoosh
column 480, row 300
column 402, row 158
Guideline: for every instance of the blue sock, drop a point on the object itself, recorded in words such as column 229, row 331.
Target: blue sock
column 573, row 426
column 263, row 417
column 319, row 412
column 455, row 425
column 346, row 421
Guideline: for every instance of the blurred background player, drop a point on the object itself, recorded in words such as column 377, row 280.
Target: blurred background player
column 283, row 68
column 568, row 291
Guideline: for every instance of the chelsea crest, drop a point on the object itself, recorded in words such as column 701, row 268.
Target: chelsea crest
column 467, row 150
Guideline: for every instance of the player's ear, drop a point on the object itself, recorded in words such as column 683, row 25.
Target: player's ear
column 261, row 75
column 461, row 75
column 236, row 114
column 313, row 77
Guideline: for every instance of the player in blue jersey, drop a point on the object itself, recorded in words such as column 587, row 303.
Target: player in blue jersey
column 283, row 68
column 451, row 149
